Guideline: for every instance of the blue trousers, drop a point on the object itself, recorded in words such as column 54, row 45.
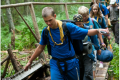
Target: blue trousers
column 72, row 74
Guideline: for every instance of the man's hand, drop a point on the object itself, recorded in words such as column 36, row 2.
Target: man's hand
column 108, row 7
column 103, row 45
column 27, row 66
column 99, row 52
column 104, row 31
column 108, row 37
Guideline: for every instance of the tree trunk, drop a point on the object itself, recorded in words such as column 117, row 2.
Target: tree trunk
column 13, row 39
column 16, row 1
column 2, row 19
column 62, row 6
column 26, row 9
column 10, row 19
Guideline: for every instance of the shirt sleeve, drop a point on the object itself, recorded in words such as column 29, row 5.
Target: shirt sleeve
column 95, row 41
column 106, row 11
column 76, row 32
column 43, row 40
column 89, row 10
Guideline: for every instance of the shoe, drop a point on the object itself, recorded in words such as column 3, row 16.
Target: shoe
column 101, row 65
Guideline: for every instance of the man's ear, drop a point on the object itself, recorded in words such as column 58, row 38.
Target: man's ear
column 55, row 15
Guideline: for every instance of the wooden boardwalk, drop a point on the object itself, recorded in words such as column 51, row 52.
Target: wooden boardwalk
column 101, row 73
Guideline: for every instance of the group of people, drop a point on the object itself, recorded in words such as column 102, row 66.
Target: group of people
column 64, row 64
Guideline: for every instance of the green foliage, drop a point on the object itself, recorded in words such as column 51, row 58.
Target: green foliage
column 5, row 38
column 115, row 61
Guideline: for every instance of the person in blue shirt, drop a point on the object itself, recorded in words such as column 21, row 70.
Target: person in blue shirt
column 62, row 57
column 96, row 14
column 103, row 9
column 87, row 59
column 90, row 22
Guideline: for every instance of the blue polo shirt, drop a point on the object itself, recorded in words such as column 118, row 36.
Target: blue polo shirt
column 62, row 51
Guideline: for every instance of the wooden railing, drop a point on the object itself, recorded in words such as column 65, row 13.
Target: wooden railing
column 46, row 3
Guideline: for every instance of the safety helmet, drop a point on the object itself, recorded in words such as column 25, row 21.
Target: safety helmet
column 78, row 18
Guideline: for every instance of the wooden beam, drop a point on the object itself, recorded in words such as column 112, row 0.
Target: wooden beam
column 14, row 63
column 42, row 3
column 27, row 25
column 5, row 69
column 66, row 11
column 5, row 60
column 34, row 21
column 14, row 51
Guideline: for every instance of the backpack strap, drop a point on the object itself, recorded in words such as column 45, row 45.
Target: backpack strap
column 48, row 43
column 67, row 33
column 92, row 20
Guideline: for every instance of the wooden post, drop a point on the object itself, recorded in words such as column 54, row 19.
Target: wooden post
column 66, row 11
column 9, row 16
column 110, row 76
column 13, row 38
column 14, row 63
column 6, row 66
column 34, row 21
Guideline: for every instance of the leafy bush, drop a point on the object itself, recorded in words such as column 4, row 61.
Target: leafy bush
column 115, row 61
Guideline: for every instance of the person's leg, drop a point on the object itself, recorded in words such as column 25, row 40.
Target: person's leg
column 117, row 33
column 81, row 66
column 88, row 68
column 56, row 75
column 113, row 28
column 73, row 74
column 94, row 64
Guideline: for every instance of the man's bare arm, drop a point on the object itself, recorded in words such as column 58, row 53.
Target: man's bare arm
column 37, row 52
column 93, row 32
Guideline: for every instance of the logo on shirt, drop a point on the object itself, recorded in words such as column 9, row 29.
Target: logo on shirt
column 91, row 26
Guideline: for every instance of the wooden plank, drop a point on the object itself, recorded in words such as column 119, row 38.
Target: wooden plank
column 41, row 3
column 101, row 71
column 105, row 64
column 99, row 78
column 105, row 68
column 7, row 51
column 100, row 75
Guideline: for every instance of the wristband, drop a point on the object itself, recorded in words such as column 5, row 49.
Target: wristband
column 102, row 43
column 108, row 35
